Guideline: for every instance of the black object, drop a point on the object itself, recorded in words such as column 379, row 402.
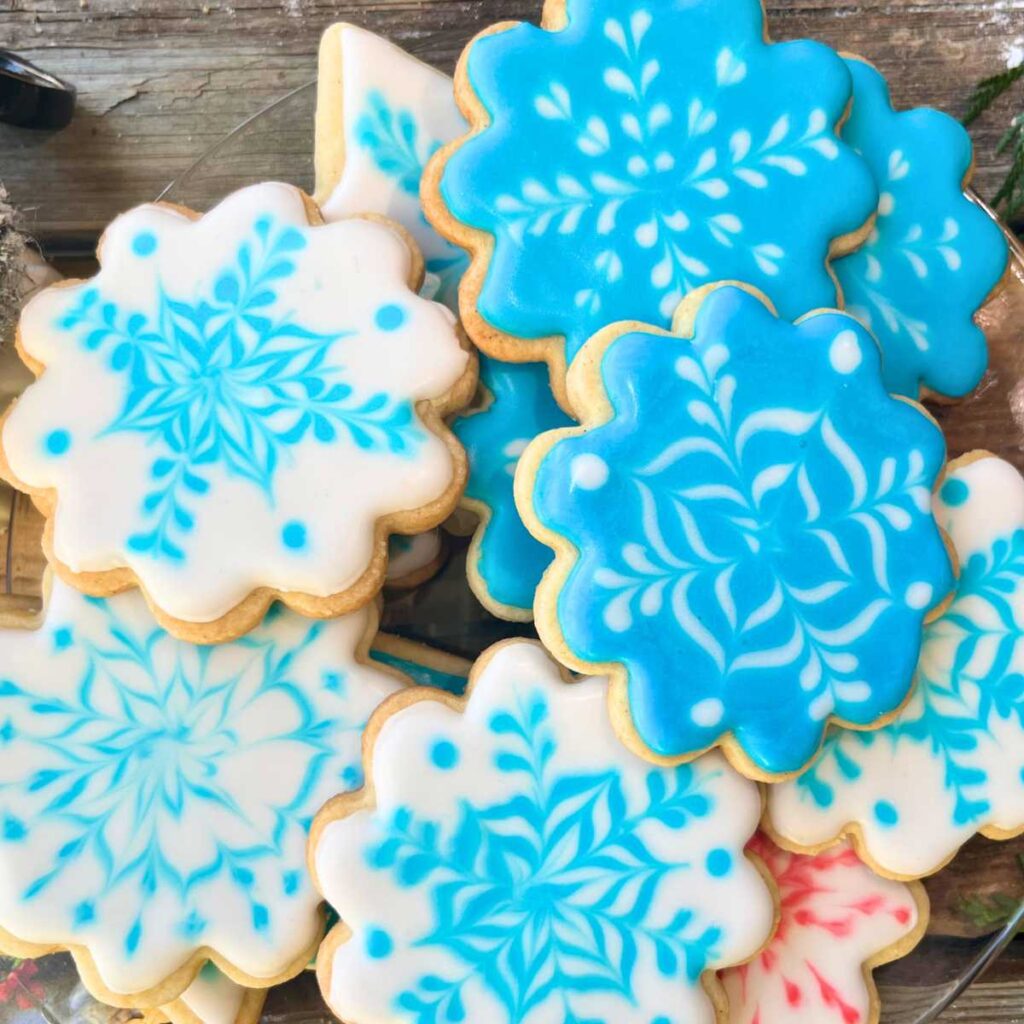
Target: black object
column 31, row 97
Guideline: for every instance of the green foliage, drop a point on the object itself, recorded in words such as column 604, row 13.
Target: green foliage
column 1010, row 196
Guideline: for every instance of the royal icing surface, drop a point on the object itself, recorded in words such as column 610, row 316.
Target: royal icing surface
column 408, row 557
column 953, row 761
column 521, row 865
column 837, row 915
column 214, row 379
column 506, row 562
column 933, row 255
column 213, row 998
column 155, row 796
column 755, row 541
column 648, row 148
column 424, row 666
column 393, row 113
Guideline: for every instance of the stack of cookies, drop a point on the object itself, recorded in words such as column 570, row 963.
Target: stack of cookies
column 649, row 302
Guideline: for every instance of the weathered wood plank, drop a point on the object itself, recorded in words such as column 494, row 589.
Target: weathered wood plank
column 161, row 81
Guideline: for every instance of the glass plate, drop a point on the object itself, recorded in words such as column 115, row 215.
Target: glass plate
column 976, row 901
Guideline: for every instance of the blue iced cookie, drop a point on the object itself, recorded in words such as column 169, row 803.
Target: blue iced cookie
column 628, row 152
column 505, row 563
column 933, row 255
column 743, row 531
column 422, row 665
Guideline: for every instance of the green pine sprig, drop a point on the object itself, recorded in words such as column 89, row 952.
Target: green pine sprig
column 1010, row 196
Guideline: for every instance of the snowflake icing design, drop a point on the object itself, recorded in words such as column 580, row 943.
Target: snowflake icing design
column 508, row 563
column 542, row 878
column 933, row 255
column 234, row 364
column 658, row 181
column 756, row 544
column 837, row 915
column 155, row 796
column 948, row 766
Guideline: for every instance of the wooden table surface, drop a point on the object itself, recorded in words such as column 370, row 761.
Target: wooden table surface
column 162, row 80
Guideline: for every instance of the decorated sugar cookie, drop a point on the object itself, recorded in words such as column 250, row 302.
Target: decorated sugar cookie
column 155, row 796
column 381, row 114
column 839, row 921
column 952, row 763
column 207, row 402
column 505, row 562
column 414, row 560
column 743, row 531
column 213, row 998
column 421, row 664
column 933, row 254
column 629, row 152
column 511, row 860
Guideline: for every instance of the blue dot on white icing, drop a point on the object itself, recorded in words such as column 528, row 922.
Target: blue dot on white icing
column 58, row 442
column 293, row 536
column 954, row 492
column 390, row 317
column 62, row 637
column 885, row 813
column 444, row 754
column 719, row 863
column 378, row 943
column 144, row 244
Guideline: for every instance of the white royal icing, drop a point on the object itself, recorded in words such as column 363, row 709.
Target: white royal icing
column 408, row 556
column 952, row 763
column 155, row 796
column 211, row 396
column 213, row 998
column 521, row 864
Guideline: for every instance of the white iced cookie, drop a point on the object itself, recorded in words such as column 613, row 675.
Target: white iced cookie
column 839, row 921
column 381, row 115
column 413, row 560
column 155, row 796
column 952, row 763
column 213, row 998
column 238, row 407
column 510, row 859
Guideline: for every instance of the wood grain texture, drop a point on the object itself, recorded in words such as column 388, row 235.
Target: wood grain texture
column 161, row 80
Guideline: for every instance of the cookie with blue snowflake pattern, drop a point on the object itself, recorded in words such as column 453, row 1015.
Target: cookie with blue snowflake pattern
column 933, row 255
column 952, row 763
column 627, row 152
column 155, row 796
column 511, row 861
column 238, row 407
column 505, row 563
column 742, row 530
column 381, row 114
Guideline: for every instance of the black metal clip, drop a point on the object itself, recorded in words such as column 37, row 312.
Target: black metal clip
column 31, row 97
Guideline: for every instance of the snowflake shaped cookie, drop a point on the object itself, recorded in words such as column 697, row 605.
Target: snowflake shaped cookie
column 505, row 563
column 381, row 115
column 511, row 861
column 629, row 152
column 839, row 921
column 743, row 531
column 933, row 255
column 952, row 763
column 155, row 797
column 207, row 400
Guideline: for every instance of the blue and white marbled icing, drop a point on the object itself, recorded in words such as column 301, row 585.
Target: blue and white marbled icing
column 933, row 256
column 506, row 563
column 155, row 796
column 648, row 148
column 521, row 865
column 952, row 763
column 755, row 540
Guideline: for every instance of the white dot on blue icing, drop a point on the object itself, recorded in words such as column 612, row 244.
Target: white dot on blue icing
column 390, row 317
column 844, row 353
column 57, row 442
column 919, row 595
column 293, row 536
column 589, row 472
column 144, row 244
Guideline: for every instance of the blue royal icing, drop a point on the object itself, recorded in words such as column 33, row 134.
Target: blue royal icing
column 756, row 544
column 506, row 563
column 950, row 764
column 520, row 864
column 645, row 149
column 933, row 256
column 155, row 796
column 421, row 673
